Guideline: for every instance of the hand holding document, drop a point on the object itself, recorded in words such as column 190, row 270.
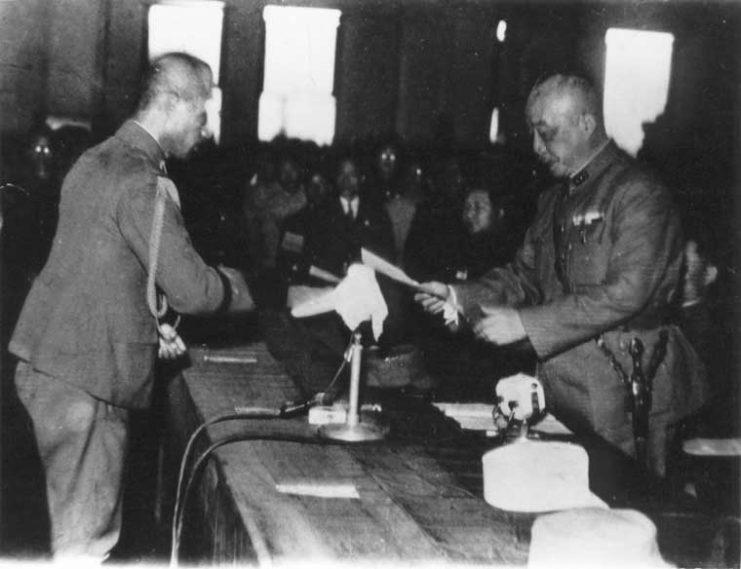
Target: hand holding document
column 393, row 272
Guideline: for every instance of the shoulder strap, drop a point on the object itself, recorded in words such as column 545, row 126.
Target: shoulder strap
column 165, row 187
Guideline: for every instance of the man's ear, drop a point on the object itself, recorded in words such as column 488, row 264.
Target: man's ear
column 168, row 101
column 588, row 124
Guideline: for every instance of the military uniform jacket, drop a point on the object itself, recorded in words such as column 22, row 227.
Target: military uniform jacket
column 86, row 319
column 602, row 257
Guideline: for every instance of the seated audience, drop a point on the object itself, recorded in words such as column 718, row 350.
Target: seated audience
column 337, row 229
column 352, row 219
column 492, row 233
column 298, row 244
column 464, row 367
column 269, row 203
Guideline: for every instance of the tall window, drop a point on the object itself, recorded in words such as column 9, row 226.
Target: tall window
column 637, row 72
column 297, row 100
column 194, row 27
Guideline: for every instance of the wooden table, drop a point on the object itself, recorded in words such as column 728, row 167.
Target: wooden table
column 419, row 493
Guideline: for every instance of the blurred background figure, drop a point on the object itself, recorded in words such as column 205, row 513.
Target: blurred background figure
column 433, row 244
column 300, row 231
column 271, row 202
column 488, row 235
column 392, row 175
column 491, row 235
column 705, row 307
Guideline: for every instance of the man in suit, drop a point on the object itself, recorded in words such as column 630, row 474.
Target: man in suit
column 86, row 338
column 596, row 273
column 351, row 220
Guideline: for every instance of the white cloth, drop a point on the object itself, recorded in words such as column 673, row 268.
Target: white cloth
column 358, row 298
column 535, row 476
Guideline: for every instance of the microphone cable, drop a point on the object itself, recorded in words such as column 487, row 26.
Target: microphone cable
column 285, row 411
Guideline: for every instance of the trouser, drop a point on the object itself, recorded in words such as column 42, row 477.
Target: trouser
column 82, row 443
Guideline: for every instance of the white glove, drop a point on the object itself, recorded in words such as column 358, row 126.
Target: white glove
column 357, row 298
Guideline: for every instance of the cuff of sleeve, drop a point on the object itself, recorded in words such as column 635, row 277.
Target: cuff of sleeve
column 227, row 299
column 538, row 331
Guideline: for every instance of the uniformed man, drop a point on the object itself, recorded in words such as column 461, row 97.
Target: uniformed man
column 592, row 283
column 87, row 336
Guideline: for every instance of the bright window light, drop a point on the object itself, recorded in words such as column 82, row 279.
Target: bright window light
column 194, row 27
column 297, row 100
column 637, row 72
column 494, row 126
column 501, row 31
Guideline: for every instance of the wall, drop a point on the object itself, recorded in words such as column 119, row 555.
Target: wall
column 23, row 63
column 429, row 70
column 367, row 74
column 75, row 48
column 124, row 57
column 446, row 70
column 241, row 70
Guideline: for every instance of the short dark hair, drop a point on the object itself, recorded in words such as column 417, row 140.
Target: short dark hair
column 179, row 74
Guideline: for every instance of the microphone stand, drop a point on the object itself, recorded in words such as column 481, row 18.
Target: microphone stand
column 354, row 430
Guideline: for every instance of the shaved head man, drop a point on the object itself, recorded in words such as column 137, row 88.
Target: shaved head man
column 565, row 119
column 173, row 105
column 593, row 279
column 87, row 337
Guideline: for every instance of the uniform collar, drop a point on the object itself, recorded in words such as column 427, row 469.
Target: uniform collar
column 594, row 165
column 136, row 135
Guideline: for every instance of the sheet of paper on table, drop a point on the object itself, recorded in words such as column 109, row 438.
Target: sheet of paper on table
column 471, row 416
column 549, row 425
column 712, row 447
column 318, row 488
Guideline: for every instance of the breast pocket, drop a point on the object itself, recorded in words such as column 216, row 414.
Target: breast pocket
column 589, row 248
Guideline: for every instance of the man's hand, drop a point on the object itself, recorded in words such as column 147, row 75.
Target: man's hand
column 171, row 346
column 432, row 297
column 500, row 326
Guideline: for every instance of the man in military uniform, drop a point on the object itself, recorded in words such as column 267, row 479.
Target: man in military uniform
column 86, row 337
column 593, row 279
